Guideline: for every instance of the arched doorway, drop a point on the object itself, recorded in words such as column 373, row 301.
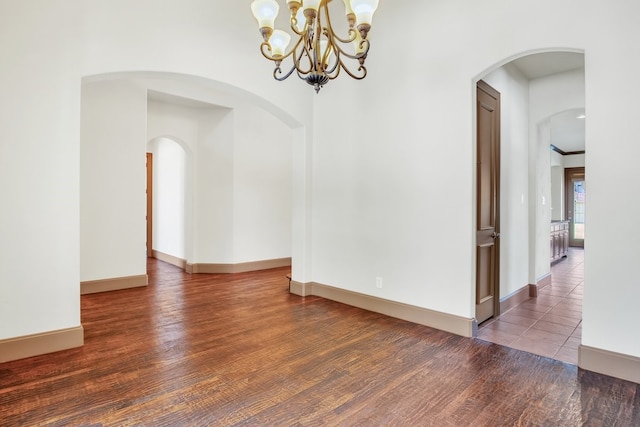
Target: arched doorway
column 116, row 133
column 533, row 88
column 168, row 199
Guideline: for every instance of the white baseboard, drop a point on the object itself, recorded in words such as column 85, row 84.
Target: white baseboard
column 170, row 259
column 609, row 363
column 114, row 284
column 422, row 316
column 238, row 268
column 37, row 344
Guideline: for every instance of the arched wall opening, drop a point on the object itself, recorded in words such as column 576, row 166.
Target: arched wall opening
column 534, row 85
column 567, row 126
column 239, row 197
column 169, row 198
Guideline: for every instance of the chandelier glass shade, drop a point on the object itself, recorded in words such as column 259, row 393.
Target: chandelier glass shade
column 318, row 54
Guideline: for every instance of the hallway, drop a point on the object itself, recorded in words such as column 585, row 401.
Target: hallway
column 551, row 324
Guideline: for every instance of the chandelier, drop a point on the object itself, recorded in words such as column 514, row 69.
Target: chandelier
column 318, row 54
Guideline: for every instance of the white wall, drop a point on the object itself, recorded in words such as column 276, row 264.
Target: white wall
column 514, row 177
column 180, row 124
column 262, row 181
column 557, row 185
column 548, row 96
column 612, row 279
column 393, row 171
column 169, row 197
column 574, row 161
column 558, row 165
column 112, row 181
column 213, row 242
column 207, row 132
column 557, row 193
column 557, row 93
column 183, row 37
column 39, row 173
column 242, row 185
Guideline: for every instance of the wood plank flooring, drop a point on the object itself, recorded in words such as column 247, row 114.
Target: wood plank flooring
column 220, row 350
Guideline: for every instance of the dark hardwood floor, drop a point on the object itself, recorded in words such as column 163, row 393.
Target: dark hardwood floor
column 210, row 350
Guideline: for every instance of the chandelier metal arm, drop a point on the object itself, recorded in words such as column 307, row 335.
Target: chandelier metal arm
column 334, row 71
column 294, row 27
column 278, row 70
column 352, row 34
column 338, row 49
column 361, row 68
column 350, row 37
column 304, row 52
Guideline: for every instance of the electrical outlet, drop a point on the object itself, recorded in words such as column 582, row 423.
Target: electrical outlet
column 379, row 282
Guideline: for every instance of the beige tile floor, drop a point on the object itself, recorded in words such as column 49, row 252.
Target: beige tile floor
column 551, row 324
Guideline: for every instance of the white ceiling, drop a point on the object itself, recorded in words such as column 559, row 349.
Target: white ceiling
column 167, row 98
column 545, row 64
column 567, row 130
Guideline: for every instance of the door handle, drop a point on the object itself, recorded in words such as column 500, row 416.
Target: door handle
column 495, row 235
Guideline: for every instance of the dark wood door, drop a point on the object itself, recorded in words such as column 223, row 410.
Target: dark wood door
column 488, row 202
column 149, row 204
column 575, row 204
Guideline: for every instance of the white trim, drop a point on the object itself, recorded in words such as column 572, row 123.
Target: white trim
column 609, row 363
column 422, row 316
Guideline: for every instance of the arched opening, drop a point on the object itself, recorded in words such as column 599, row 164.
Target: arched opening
column 168, row 198
column 226, row 174
column 534, row 87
